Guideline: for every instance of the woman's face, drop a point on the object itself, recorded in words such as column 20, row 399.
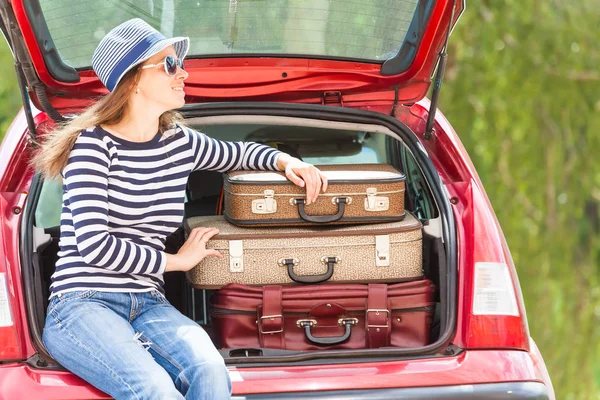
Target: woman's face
column 157, row 87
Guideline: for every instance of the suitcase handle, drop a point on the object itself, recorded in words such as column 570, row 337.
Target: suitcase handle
column 322, row 219
column 348, row 323
column 291, row 262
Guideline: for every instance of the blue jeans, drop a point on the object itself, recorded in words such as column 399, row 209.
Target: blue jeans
column 134, row 346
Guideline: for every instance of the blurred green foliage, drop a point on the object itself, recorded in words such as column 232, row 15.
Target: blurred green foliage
column 522, row 89
column 10, row 99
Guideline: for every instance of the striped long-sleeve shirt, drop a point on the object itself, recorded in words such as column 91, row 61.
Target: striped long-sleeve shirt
column 122, row 199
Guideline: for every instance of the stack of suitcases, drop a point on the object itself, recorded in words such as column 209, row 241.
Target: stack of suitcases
column 342, row 273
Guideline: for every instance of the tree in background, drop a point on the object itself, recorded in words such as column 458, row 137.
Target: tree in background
column 523, row 92
column 10, row 99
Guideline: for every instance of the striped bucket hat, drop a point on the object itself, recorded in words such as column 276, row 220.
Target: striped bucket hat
column 129, row 44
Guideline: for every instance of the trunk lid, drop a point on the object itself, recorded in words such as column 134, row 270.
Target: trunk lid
column 240, row 49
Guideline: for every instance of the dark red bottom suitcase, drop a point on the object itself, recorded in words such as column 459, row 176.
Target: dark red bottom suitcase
column 328, row 316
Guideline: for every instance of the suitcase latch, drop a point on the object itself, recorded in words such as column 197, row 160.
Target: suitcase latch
column 283, row 262
column 382, row 250
column 268, row 205
column 376, row 203
column 326, row 260
column 236, row 256
column 306, row 322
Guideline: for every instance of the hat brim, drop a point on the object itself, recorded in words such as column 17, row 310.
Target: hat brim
column 180, row 43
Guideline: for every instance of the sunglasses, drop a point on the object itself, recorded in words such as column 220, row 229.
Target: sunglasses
column 171, row 63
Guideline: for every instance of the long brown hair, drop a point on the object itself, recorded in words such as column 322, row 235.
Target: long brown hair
column 54, row 151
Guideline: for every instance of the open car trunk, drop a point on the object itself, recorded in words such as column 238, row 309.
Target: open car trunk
column 316, row 134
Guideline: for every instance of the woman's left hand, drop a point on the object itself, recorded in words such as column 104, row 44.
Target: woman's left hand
column 304, row 175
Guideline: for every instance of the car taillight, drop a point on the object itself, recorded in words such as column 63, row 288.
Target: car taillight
column 10, row 346
column 496, row 315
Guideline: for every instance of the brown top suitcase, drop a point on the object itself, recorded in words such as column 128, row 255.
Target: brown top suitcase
column 365, row 193
column 387, row 252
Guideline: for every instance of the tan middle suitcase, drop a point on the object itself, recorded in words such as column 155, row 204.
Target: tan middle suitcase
column 387, row 252
column 365, row 193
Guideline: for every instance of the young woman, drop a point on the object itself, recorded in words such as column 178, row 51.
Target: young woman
column 124, row 163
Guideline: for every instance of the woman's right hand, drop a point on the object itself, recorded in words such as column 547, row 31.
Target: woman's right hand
column 193, row 250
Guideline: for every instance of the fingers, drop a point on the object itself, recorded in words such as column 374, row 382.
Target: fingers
column 316, row 183
column 202, row 235
column 309, row 186
column 197, row 234
column 324, row 181
column 209, row 234
column 213, row 253
column 291, row 175
column 311, row 178
column 193, row 234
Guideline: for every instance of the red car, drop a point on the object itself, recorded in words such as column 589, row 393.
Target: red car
column 332, row 81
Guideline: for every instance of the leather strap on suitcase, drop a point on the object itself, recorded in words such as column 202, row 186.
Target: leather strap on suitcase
column 377, row 317
column 270, row 323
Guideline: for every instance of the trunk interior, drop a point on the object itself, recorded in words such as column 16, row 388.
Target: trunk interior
column 317, row 141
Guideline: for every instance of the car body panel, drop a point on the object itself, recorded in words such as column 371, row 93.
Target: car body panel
column 468, row 368
column 11, row 205
column 484, row 391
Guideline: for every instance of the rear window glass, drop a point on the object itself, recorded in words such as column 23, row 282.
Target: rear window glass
column 366, row 156
column 354, row 29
